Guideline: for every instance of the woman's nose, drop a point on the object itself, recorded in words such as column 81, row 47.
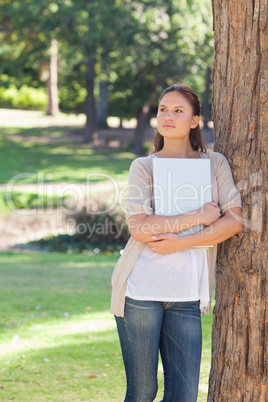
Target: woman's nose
column 169, row 116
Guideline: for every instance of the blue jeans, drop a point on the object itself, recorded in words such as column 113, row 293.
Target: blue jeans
column 175, row 330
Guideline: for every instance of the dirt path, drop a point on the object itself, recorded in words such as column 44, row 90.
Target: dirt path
column 33, row 118
column 24, row 225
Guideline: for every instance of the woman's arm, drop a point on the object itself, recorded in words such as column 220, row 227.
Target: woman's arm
column 224, row 228
column 142, row 227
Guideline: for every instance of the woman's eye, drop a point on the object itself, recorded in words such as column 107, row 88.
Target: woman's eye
column 178, row 111
column 163, row 109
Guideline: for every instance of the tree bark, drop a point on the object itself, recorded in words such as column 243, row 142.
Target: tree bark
column 206, row 105
column 103, row 105
column 90, row 127
column 142, row 121
column 240, row 113
column 52, row 82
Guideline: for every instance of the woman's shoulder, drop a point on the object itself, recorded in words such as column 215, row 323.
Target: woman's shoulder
column 143, row 161
column 219, row 164
column 213, row 154
column 215, row 157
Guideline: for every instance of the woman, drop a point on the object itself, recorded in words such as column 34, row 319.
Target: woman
column 159, row 291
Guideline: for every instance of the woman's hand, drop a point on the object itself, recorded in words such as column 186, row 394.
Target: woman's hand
column 209, row 213
column 166, row 243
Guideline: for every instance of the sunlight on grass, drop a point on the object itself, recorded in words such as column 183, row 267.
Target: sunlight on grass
column 58, row 338
column 65, row 162
column 57, row 333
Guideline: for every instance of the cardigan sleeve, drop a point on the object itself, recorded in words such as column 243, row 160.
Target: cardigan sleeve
column 140, row 194
column 228, row 195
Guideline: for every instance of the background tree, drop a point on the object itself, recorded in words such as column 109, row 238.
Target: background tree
column 171, row 43
column 30, row 28
column 52, row 82
column 114, row 56
column 96, row 29
column 240, row 108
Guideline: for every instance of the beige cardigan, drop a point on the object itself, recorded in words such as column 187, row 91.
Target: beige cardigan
column 140, row 200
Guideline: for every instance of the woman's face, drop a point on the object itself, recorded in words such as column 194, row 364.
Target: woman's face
column 175, row 116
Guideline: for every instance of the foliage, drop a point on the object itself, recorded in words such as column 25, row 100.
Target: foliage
column 58, row 340
column 74, row 244
column 97, row 227
column 147, row 147
column 27, row 28
column 168, row 45
column 102, row 222
column 143, row 46
column 23, row 97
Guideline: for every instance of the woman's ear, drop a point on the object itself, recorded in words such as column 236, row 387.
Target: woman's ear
column 195, row 122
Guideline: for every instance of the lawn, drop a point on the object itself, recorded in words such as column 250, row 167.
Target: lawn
column 68, row 162
column 58, row 341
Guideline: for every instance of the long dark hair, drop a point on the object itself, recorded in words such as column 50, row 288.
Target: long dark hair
column 196, row 137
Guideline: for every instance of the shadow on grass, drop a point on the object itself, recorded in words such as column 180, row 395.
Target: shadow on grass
column 40, row 288
column 82, row 366
column 51, row 131
column 55, row 357
column 79, row 367
column 64, row 162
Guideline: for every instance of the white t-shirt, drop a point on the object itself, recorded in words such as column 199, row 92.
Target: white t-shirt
column 179, row 276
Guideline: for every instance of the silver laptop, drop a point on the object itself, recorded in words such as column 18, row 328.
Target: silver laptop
column 181, row 185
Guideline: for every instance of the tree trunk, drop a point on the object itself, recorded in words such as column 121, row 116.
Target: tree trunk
column 240, row 113
column 142, row 121
column 52, row 82
column 103, row 105
column 206, row 105
column 90, row 127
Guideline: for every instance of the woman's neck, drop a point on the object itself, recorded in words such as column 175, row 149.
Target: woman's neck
column 171, row 151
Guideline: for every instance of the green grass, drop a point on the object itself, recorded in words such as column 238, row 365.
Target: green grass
column 48, row 355
column 58, row 341
column 58, row 162
column 51, row 131
column 29, row 199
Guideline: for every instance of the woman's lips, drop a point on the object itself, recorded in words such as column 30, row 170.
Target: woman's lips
column 168, row 125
